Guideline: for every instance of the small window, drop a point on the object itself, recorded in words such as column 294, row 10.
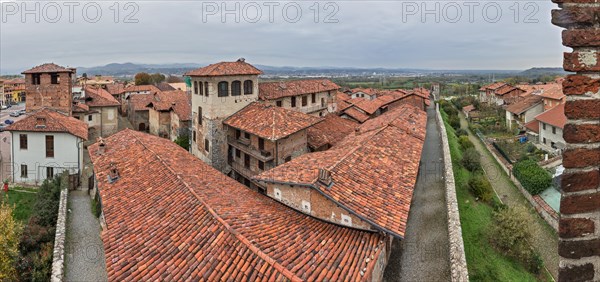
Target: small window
column 36, row 78
column 200, row 115
column 544, row 126
column 246, row 135
column 196, row 88
column 194, row 136
column 200, row 88
column 223, row 89
column 49, row 146
column 279, row 103
column 261, row 165
column 553, row 129
column 293, row 102
column 246, row 161
column 206, row 88
column 288, row 158
column 23, row 141
column 304, row 101
column 89, row 117
column 49, row 172
column 236, row 88
column 238, row 153
column 206, row 145
column 54, row 78
column 238, row 133
column 313, row 98
column 248, row 87
column 261, row 144
column 23, row 171
column 544, row 140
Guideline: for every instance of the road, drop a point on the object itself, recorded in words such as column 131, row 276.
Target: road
column 423, row 255
column 5, row 148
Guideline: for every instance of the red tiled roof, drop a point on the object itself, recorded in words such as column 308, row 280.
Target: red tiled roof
column 176, row 100
column 494, row 85
column 533, row 125
column 276, row 90
column 172, row 217
column 48, row 67
column 555, row 116
column 54, row 122
column 269, row 122
column 15, row 81
column 80, row 108
column 140, row 88
column 115, row 89
column 373, row 173
column 140, row 101
column 468, row 108
column 356, row 114
column 330, row 131
column 239, row 67
column 506, row 89
column 98, row 97
column 555, row 93
column 524, row 104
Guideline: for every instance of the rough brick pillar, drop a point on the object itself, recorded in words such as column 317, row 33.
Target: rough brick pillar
column 579, row 227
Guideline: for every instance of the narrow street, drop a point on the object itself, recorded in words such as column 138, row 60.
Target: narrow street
column 423, row 254
column 545, row 239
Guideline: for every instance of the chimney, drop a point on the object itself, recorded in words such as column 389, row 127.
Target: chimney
column 325, row 177
column 40, row 122
column 113, row 173
column 241, row 60
column 101, row 146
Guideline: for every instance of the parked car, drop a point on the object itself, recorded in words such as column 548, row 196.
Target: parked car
column 2, row 127
column 4, row 107
column 15, row 114
column 22, row 112
column 8, row 122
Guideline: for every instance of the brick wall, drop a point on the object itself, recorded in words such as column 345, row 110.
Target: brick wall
column 579, row 227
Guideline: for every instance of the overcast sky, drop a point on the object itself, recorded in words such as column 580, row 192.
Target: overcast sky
column 394, row 34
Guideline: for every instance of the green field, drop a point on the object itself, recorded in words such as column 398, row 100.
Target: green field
column 23, row 202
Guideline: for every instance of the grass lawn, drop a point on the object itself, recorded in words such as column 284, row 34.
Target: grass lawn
column 483, row 261
column 23, row 202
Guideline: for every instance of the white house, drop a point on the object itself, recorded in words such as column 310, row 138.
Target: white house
column 551, row 124
column 524, row 110
column 45, row 144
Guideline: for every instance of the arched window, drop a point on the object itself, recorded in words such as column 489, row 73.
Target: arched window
column 248, row 87
column 200, row 88
column 206, row 88
column 236, row 88
column 223, row 89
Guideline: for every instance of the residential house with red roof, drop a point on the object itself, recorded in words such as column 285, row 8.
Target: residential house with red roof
column 329, row 132
column 132, row 90
column 360, row 109
column 523, row 110
column 14, row 91
column 310, row 96
column 189, row 222
column 218, row 91
column 553, row 96
column 44, row 144
column 49, row 86
column 486, row 92
column 551, row 125
column 138, row 112
column 169, row 114
column 99, row 109
column 366, row 181
column 262, row 136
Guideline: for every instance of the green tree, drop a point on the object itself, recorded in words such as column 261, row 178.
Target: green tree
column 471, row 159
column 157, row 78
column 183, row 141
column 143, row 78
column 10, row 232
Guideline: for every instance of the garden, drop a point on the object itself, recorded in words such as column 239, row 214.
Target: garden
column 495, row 236
column 513, row 150
column 28, row 221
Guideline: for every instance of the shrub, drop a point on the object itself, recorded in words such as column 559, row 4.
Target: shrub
column 461, row 132
column 183, row 141
column 471, row 159
column 533, row 178
column 481, row 188
column 454, row 121
column 510, row 233
column 465, row 143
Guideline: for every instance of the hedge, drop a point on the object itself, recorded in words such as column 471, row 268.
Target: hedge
column 533, row 178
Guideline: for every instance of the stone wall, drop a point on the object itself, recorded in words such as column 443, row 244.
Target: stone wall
column 579, row 243
column 458, row 260
column 58, row 255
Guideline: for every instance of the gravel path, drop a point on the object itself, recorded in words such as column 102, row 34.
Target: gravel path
column 546, row 240
column 423, row 254
column 84, row 252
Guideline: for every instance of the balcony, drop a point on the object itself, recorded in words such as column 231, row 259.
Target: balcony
column 241, row 169
column 312, row 108
column 243, row 144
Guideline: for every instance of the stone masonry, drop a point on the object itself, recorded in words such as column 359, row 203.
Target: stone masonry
column 579, row 226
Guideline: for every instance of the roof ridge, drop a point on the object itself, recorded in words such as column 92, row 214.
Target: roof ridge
column 356, row 147
column 228, row 227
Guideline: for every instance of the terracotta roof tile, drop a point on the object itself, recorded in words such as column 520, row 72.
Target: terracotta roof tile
column 505, row 89
column 468, row 108
column 533, row 125
column 524, row 104
column 115, row 89
column 203, row 225
column 494, row 86
column 176, row 100
column 356, row 114
column 373, row 173
column 555, row 116
column 98, row 97
column 54, row 122
column 276, row 90
column 555, row 92
column 80, row 108
column 330, row 131
column 48, row 67
column 139, row 88
column 139, row 102
column 239, row 67
column 269, row 122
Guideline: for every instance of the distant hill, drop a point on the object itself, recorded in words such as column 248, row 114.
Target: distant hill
column 543, row 71
column 129, row 69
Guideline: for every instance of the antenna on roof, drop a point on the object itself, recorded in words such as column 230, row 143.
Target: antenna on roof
column 241, row 60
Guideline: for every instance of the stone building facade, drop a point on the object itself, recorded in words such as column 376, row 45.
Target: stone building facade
column 579, row 225
column 315, row 97
column 49, row 86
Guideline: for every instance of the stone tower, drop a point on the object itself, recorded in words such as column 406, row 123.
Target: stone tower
column 218, row 91
column 49, row 86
